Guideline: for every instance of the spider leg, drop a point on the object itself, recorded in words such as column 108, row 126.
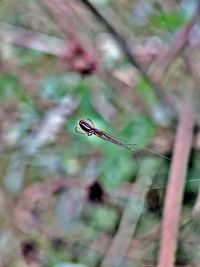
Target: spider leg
column 91, row 122
column 79, row 131
column 80, row 115
column 88, row 133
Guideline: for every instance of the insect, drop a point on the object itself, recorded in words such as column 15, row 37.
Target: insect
column 89, row 129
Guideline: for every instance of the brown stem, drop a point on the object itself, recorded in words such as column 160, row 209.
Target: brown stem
column 131, row 215
column 165, row 59
column 125, row 48
column 155, row 74
column 172, row 207
column 32, row 39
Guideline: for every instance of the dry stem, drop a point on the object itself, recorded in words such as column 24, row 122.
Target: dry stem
column 172, row 208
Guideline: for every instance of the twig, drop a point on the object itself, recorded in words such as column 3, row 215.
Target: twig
column 193, row 68
column 172, row 207
column 122, row 43
column 78, row 55
column 117, row 36
column 155, row 74
column 32, row 39
column 165, row 59
column 159, row 68
column 62, row 15
column 131, row 215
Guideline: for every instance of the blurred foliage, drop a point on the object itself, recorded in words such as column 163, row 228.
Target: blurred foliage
column 168, row 20
column 47, row 216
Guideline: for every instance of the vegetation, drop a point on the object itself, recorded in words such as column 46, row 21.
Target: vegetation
column 73, row 200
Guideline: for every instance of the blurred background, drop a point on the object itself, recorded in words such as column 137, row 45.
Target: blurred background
column 70, row 200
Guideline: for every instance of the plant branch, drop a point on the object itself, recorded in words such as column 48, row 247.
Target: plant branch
column 131, row 215
column 124, row 47
column 172, row 207
column 165, row 59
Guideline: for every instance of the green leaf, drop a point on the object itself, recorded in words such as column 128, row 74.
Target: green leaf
column 140, row 130
column 102, row 218
column 168, row 20
column 117, row 167
column 147, row 92
column 8, row 86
